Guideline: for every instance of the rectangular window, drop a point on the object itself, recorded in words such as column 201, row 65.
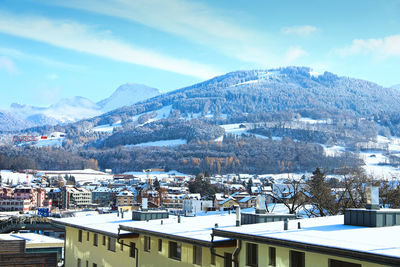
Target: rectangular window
column 272, row 256
column 79, row 263
column 228, row 260
column 80, row 235
column 251, row 254
column 147, row 243
column 174, row 250
column 87, row 236
column 95, row 237
column 132, row 250
column 297, row 259
column 336, row 263
column 94, row 265
column 111, row 244
column 104, row 240
column 197, row 255
column 160, row 245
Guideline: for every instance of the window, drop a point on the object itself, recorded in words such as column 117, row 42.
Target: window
column 175, row 250
column 336, row 263
column 111, row 244
column 87, row 263
column 228, row 260
column 160, row 245
column 94, row 265
column 79, row 263
column 132, row 250
column 197, row 256
column 87, row 236
column 122, row 245
column 147, row 243
column 80, row 235
column 272, row 257
column 104, row 240
column 297, row 259
column 251, row 254
column 95, row 237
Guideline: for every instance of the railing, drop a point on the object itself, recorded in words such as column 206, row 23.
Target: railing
column 26, row 222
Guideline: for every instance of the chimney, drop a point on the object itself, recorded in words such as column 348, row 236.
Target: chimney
column 260, row 205
column 237, row 215
column 372, row 194
column 179, row 218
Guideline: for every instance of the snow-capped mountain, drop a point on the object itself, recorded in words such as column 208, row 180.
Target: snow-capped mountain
column 396, row 86
column 127, row 94
column 66, row 110
column 75, row 108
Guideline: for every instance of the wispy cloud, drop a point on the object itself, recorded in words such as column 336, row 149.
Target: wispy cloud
column 382, row 47
column 302, row 31
column 81, row 38
column 191, row 20
column 8, row 65
column 19, row 55
column 294, row 53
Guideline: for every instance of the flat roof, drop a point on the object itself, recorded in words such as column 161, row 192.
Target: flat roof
column 34, row 240
column 328, row 232
column 197, row 228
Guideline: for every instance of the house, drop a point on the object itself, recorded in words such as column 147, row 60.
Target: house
column 228, row 203
column 125, row 198
column 247, row 202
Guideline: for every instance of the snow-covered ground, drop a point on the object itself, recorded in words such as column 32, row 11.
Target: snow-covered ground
column 13, row 178
column 106, row 127
column 172, row 142
column 332, row 151
column 312, row 121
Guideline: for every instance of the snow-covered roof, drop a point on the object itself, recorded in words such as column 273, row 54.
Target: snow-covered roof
column 328, row 232
column 199, row 227
column 33, row 239
column 245, row 199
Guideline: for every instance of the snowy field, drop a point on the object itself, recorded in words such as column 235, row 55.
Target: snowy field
column 172, row 142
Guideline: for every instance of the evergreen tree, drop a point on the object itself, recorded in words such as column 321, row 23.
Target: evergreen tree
column 320, row 194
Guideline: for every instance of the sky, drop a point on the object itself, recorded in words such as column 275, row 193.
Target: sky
column 53, row 49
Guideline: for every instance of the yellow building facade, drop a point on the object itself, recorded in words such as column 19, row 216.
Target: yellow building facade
column 87, row 253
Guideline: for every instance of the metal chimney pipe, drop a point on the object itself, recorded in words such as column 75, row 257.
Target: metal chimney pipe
column 179, row 218
column 286, row 224
column 237, row 215
column 298, row 225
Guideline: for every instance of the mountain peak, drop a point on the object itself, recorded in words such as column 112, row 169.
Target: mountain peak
column 127, row 94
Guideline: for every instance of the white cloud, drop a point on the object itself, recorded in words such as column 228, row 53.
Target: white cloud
column 81, row 38
column 8, row 65
column 382, row 48
column 191, row 20
column 294, row 53
column 302, row 31
column 17, row 54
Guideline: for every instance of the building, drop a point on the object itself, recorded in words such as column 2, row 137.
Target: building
column 174, row 241
column 352, row 240
column 125, row 198
column 11, row 204
column 75, row 197
column 20, row 250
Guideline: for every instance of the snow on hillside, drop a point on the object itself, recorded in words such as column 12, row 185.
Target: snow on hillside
column 127, row 94
column 172, row 142
column 161, row 113
column 107, row 127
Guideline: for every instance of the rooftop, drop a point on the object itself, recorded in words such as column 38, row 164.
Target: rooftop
column 327, row 232
column 198, row 228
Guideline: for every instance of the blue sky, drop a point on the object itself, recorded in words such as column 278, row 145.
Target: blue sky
column 52, row 49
